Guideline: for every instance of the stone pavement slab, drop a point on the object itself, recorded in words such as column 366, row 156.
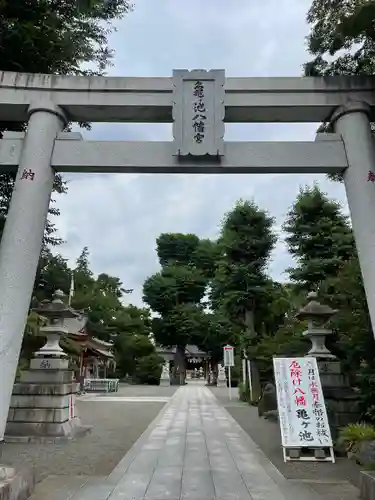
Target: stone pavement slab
column 195, row 451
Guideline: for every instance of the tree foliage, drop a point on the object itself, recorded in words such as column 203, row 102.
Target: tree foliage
column 342, row 38
column 58, row 37
column 246, row 241
column 100, row 297
column 172, row 286
column 319, row 236
column 176, row 292
column 51, row 36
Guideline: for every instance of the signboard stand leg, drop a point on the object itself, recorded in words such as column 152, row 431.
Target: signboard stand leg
column 230, row 383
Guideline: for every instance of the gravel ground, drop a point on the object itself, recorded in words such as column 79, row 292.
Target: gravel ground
column 321, row 476
column 116, row 427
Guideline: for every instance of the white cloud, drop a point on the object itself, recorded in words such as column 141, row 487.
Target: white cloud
column 120, row 216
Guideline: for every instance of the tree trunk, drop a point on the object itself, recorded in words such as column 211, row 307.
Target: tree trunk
column 249, row 323
column 214, row 372
column 251, row 334
column 180, row 362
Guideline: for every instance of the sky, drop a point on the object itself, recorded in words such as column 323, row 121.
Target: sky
column 120, row 216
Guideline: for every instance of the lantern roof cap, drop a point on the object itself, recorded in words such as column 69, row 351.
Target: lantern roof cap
column 315, row 310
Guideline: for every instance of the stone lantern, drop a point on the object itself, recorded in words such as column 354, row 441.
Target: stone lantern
column 317, row 315
column 43, row 401
column 341, row 401
column 55, row 313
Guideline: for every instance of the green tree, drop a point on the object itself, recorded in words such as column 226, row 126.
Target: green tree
column 53, row 274
column 342, row 38
column 218, row 332
column 100, row 297
column 49, row 36
column 341, row 41
column 319, row 236
column 129, row 348
column 240, row 283
column 176, row 292
column 58, row 37
column 108, row 318
column 172, row 286
column 177, row 248
column 353, row 342
column 135, row 352
column 240, row 287
column 82, row 269
column 130, row 320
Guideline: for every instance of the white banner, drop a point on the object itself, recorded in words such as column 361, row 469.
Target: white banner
column 302, row 412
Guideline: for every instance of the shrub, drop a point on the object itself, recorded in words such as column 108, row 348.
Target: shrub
column 366, row 386
column 353, row 434
column 148, row 369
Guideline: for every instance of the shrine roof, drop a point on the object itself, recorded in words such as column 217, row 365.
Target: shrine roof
column 104, row 354
column 103, row 343
column 76, row 325
column 190, row 350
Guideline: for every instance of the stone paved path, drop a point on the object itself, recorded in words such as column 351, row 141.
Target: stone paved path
column 195, row 451
column 333, row 481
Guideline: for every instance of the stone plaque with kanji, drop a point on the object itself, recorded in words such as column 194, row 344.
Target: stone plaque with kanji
column 198, row 112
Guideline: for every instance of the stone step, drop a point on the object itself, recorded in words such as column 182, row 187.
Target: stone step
column 71, row 487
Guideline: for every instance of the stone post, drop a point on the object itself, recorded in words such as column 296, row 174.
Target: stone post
column 165, row 377
column 22, row 239
column 221, row 378
column 341, row 401
column 43, row 401
column 353, row 124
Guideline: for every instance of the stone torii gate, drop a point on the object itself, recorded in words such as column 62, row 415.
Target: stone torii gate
column 198, row 103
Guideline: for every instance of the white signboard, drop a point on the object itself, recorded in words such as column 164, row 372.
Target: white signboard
column 228, row 355
column 302, row 412
column 198, row 112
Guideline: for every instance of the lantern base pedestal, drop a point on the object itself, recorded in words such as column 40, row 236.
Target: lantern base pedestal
column 165, row 381
column 341, row 401
column 43, row 404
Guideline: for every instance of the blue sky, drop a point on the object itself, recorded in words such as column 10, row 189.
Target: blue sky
column 120, row 216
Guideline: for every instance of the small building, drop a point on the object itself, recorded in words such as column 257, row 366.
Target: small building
column 195, row 359
column 96, row 356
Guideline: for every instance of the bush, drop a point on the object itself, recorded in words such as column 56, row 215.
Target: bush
column 353, row 435
column 148, row 369
column 366, row 385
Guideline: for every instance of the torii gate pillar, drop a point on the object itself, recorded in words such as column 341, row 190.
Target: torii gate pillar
column 22, row 239
column 353, row 124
